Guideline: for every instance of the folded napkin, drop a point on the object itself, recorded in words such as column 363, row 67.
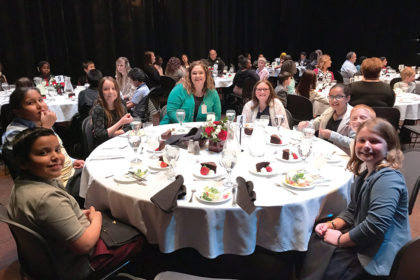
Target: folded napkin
column 181, row 140
column 167, row 197
column 246, row 195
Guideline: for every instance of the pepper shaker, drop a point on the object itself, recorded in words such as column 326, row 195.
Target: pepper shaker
column 196, row 148
column 191, row 146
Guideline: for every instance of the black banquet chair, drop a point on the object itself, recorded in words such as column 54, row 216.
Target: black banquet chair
column 406, row 262
column 392, row 115
column 87, row 136
column 410, row 170
column 300, row 107
column 394, row 81
column 167, row 84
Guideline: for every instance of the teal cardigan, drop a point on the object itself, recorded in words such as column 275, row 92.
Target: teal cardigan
column 180, row 99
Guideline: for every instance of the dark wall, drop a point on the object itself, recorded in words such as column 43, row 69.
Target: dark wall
column 66, row 32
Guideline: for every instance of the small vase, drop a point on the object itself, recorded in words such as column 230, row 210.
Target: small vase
column 216, row 147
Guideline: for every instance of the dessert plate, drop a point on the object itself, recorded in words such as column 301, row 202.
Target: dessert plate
column 221, row 197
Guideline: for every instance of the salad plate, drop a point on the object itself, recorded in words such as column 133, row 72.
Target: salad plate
column 125, row 179
column 212, row 195
column 155, row 165
column 299, row 181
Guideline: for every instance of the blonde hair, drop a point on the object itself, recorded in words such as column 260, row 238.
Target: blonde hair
column 188, row 84
column 406, row 73
column 372, row 112
column 322, row 60
column 386, row 131
column 122, row 79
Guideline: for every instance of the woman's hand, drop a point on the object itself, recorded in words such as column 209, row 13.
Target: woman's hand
column 302, row 125
column 322, row 228
column 331, row 236
column 48, row 119
column 127, row 118
column 324, row 133
column 78, row 163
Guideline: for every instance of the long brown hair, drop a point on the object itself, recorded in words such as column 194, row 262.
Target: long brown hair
column 122, row 79
column 255, row 100
column 386, row 131
column 119, row 108
column 187, row 83
column 307, row 83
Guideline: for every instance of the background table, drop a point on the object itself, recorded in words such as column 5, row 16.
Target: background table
column 281, row 222
column 225, row 81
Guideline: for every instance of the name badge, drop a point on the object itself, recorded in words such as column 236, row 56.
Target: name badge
column 203, row 109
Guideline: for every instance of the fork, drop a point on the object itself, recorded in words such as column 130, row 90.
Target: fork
column 192, row 194
column 233, row 196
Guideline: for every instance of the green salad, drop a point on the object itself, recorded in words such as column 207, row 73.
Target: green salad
column 140, row 172
column 210, row 194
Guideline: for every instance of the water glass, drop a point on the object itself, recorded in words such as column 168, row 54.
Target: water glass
column 265, row 120
column 153, row 144
column 171, row 155
column 305, row 149
column 180, row 116
column 211, row 117
column 230, row 114
column 5, row 87
column 134, row 139
column 136, row 124
column 228, row 161
column 279, row 119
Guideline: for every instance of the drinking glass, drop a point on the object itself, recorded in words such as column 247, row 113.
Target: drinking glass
column 265, row 120
column 211, row 117
column 319, row 161
column 136, row 124
column 5, row 87
column 153, row 144
column 12, row 88
column 230, row 114
column 279, row 119
column 228, row 161
column 134, row 139
column 171, row 155
column 37, row 81
column 180, row 116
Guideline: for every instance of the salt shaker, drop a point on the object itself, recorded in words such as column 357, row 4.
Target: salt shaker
column 196, row 148
column 191, row 146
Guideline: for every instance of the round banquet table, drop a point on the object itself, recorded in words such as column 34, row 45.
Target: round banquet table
column 225, row 81
column 282, row 221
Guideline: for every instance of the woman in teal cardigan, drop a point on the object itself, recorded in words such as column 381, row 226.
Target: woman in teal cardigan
column 196, row 95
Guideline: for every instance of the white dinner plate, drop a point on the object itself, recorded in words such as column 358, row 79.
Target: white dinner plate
column 296, row 187
column 124, row 179
column 291, row 159
column 225, row 196
column 254, row 171
column 197, row 173
column 151, row 151
column 155, row 165
column 333, row 159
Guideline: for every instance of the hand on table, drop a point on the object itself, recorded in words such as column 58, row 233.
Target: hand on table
column 78, row 163
column 324, row 133
column 119, row 132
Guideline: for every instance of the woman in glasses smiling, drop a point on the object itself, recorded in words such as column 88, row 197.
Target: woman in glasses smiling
column 334, row 122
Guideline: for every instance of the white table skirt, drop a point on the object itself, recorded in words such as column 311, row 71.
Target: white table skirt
column 409, row 106
column 225, row 81
column 281, row 222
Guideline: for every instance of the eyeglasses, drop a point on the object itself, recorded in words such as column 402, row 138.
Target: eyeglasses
column 262, row 89
column 336, row 97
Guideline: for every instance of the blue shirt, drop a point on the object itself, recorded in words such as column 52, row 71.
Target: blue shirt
column 141, row 92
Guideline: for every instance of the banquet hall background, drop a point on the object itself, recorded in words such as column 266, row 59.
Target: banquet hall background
column 67, row 32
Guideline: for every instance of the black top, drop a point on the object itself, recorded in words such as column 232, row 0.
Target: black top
column 266, row 112
column 218, row 61
column 197, row 102
column 242, row 75
column 373, row 94
column 153, row 76
column 333, row 124
column 86, row 100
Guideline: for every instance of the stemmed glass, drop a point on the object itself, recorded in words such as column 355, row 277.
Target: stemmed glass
column 228, row 161
column 171, row 155
column 136, row 124
column 230, row 114
column 279, row 119
column 134, row 139
column 5, row 87
column 180, row 116
column 265, row 120
column 305, row 149
column 153, row 144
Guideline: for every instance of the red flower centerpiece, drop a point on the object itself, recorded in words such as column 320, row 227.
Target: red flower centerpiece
column 216, row 132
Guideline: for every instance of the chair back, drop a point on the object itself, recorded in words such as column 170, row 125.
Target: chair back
column 406, row 262
column 338, row 77
column 289, row 118
column 167, row 85
column 249, row 84
column 6, row 117
column 162, row 112
column 410, row 170
column 8, row 157
column 417, row 90
column 300, row 107
column 394, row 81
column 392, row 115
column 154, row 97
column 35, row 256
column 87, row 131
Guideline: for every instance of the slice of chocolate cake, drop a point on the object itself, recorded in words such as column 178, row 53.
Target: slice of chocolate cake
column 261, row 165
column 275, row 139
column 161, row 158
column 161, row 145
column 248, row 130
column 210, row 165
column 166, row 134
column 286, row 154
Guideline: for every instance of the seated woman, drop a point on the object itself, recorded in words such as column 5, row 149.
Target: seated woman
column 174, row 69
column 149, row 68
column 44, row 70
column 322, row 73
column 196, row 95
column 185, row 62
column 369, row 233
column 262, row 70
column 283, row 81
column 158, row 64
column 2, row 76
column 371, row 91
column 122, row 67
column 307, row 88
column 109, row 116
column 244, row 72
column 30, row 110
column 264, row 102
column 407, row 84
column 335, row 120
column 289, row 66
column 39, row 201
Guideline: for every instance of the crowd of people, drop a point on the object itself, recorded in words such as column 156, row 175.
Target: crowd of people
column 47, row 174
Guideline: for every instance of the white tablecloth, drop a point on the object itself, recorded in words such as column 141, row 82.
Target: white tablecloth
column 409, row 106
column 281, row 222
column 225, row 81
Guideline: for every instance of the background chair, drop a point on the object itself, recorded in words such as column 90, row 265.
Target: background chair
column 167, row 85
column 410, row 170
column 392, row 115
column 394, row 81
column 239, row 101
column 338, row 77
column 289, row 118
column 154, row 97
column 87, row 136
column 412, row 131
column 162, row 112
column 406, row 262
column 300, row 107
column 6, row 117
